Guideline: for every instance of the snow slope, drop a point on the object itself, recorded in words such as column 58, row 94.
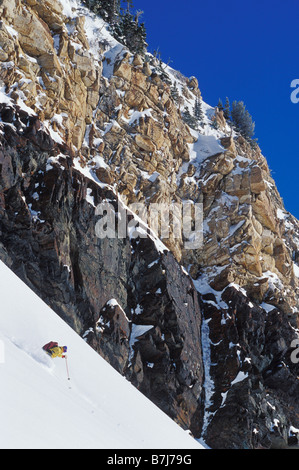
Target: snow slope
column 40, row 408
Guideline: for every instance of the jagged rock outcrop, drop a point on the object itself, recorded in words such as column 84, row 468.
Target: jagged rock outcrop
column 253, row 374
column 84, row 121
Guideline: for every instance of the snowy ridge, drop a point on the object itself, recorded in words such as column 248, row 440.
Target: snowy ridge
column 95, row 29
column 40, row 408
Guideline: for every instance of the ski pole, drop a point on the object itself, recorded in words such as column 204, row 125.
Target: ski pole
column 67, row 369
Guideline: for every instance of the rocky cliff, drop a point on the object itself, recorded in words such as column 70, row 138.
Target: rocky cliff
column 206, row 333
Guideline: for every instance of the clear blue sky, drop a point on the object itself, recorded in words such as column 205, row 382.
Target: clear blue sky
column 244, row 50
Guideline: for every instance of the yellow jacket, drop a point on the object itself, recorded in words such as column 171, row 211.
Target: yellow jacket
column 57, row 352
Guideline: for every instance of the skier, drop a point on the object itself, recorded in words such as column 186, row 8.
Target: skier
column 54, row 350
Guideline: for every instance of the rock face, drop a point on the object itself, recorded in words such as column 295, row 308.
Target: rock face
column 49, row 240
column 206, row 333
column 254, row 377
